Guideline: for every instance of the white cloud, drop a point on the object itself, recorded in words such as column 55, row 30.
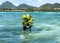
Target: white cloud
column 39, row 0
column 16, row 4
column 27, row 0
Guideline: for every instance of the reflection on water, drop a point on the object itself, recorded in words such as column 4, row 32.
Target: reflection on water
column 46, row 28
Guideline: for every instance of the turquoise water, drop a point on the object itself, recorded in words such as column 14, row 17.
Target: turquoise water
column 46, row 28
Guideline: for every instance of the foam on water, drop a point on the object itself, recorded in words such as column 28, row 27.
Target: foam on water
column 22, row 37
column 50, row 36
column 46, row 27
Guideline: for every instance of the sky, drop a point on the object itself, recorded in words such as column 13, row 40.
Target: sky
column 35, row 3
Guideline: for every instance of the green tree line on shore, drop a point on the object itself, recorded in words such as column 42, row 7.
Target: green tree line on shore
column 28, row 10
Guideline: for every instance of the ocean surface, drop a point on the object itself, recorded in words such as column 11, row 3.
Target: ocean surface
column 46, row 28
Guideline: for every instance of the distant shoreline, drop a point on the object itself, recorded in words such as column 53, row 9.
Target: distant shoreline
column 28, row 10
column 9, row 7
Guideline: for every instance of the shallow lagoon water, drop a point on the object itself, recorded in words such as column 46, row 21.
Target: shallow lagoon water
column 46, row 28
